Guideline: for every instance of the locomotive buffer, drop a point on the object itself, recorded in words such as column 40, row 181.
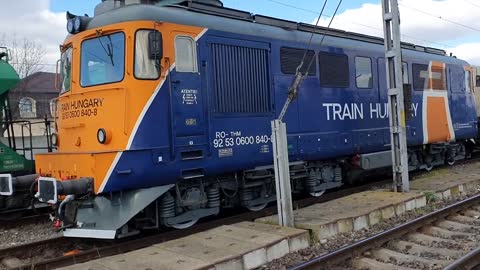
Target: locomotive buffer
column 396, row 105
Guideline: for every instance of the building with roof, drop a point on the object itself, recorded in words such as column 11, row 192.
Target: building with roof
column 33, row 100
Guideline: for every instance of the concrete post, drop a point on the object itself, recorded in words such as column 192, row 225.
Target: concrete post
column 282, row 174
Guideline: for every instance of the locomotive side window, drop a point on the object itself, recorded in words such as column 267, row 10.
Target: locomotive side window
column 334, row 70
column 363, row 70
column 103, row 60
column 429, row 77
column 406, row 79
column 420, row 77
column 468, row 81
column 185, row 54
column 438, row 77
column 290, row 59
column 145, row 67
column 66, row 70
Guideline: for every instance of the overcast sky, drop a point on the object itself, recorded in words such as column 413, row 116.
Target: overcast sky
column 458, row 31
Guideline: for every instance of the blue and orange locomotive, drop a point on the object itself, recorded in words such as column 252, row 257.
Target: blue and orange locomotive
column 164, row 113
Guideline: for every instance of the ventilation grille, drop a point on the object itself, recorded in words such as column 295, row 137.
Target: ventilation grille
column 334, row 70
column 291, row 58
column 241, row 79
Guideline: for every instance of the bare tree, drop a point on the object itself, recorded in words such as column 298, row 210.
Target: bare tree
column 26, row 56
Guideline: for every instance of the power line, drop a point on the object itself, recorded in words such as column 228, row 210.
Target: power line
column 323, row 37
column 445, row 45
column 294, row 88
column 292, row 6
column 475, row 5
column 311, row 37
column 441, row 18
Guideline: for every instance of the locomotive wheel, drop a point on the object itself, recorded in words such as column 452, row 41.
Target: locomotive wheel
column 429, row 167
column 318, row 193
column 184, row 225
column 451, row 162
column 258, row 207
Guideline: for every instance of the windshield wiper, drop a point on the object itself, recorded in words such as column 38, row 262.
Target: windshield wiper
column 109, row 49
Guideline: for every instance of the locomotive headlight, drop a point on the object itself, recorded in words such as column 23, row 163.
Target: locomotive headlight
column 70, row 26
column 77, row 24
column 103, row 136
column 54, row 139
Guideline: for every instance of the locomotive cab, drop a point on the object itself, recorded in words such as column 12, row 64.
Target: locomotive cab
column 109, row 75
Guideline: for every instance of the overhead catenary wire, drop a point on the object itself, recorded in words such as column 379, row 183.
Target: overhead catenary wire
column 470, row 2
column 445, row 45
column 292, row 6
column 441, row 18
column 311, row 38
column 323, row 37
column 293, row 89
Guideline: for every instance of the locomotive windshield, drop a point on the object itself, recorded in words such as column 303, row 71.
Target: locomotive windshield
column 103, row 60
column 65, row 71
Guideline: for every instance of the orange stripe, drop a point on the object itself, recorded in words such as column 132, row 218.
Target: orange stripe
column 437, row 120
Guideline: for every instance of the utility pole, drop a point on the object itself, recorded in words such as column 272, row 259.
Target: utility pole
column 393, row 62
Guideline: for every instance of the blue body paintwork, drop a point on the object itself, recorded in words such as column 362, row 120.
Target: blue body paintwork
column 155, row 155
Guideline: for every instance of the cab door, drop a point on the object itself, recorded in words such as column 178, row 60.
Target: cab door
column 461, row 101
column 188, row 115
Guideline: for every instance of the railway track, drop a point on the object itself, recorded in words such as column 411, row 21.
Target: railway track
column 445, row 239
column 29, row 216
column 61, row 252
column 29, row 219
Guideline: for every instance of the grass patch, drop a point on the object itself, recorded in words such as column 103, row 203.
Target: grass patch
column 430, row 196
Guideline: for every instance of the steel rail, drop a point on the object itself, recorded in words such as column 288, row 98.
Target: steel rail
column 326, row 261
column 468, row 261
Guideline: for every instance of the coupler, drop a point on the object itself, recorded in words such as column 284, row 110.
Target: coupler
column 49, row 188
column 8, row 183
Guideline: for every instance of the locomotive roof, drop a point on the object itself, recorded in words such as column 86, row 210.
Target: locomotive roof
column 241, row 22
